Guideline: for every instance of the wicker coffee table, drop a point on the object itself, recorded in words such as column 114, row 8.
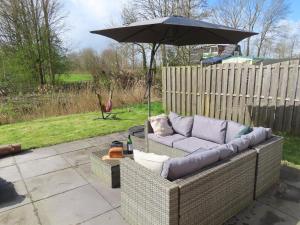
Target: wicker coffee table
column 107, row 170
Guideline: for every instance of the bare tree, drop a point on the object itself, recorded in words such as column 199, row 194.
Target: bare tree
column 253, row 11
column 274, row 13
column 229, row 13
column 144, row 10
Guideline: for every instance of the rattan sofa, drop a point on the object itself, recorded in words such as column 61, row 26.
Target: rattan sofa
column 268, row 161
column 208, row 197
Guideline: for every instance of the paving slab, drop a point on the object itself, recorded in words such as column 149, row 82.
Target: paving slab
column 10, row 173
column 12, row 195
column 290, row 176
column 79, row 157
column 43, row 166
column 7, row 161
column 107, row 139
column 72, row 207
column 112, row 195
column 53, row 183
column 109, row 218
column 285, row 198
column 260, row 214
column 23, row 215
column 71, row 146
column 35, row 154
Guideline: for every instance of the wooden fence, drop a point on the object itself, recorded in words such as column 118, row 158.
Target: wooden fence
column 256, row 95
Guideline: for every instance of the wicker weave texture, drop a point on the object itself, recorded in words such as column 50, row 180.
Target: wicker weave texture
column 209, row 197
column 216, row 194
column 147, row 198
column 268, row 164
column 109, row 173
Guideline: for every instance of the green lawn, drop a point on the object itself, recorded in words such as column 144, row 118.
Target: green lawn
column 54, row 130
column 74, row 78
column 291, row 148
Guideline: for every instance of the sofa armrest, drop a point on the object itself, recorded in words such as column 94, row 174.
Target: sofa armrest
column 219, row 191
column 269, row 155
column 146, row 197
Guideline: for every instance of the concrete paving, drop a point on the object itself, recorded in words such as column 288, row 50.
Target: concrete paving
column 55, row 186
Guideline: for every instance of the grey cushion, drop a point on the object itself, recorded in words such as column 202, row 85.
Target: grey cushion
column 209, row 129
column 180, row 124
column 225, row 151
column 233, row 129
column 258, row 135
column 192, row 144
column 239, row 144
column 166, row 140
column 176, row 168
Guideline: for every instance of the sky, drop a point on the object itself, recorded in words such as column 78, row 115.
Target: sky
column 83, row 16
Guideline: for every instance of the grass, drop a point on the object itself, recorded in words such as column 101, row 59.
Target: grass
column 55, row 130
column 74, row 78
column 291, row 149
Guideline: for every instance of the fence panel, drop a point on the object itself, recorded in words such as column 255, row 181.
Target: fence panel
column 251, row 94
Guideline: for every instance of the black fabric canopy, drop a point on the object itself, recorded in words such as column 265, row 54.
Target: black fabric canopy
column 173, row 30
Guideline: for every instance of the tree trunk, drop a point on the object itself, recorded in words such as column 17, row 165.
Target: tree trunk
column 45, row 4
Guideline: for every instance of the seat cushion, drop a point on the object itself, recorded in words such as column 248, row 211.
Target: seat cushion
column 209, row 129
column 176, row 168
column 151, row 161
column 235, row 130
column 160, row 125
column 166, row 140
column 181, row 124
column 192, row 144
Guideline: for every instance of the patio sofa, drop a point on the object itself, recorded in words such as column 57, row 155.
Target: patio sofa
column 210, row 195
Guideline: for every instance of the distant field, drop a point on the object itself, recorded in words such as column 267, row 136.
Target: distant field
column 74, row 78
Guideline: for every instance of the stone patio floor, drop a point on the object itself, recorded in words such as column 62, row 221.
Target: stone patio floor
column 55, row 186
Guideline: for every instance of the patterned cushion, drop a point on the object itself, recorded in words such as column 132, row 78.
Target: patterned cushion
column 192, row 144
column 176, row 168
column 209, row 129
column 160, row 125
column 167, row 140
column 180, row 124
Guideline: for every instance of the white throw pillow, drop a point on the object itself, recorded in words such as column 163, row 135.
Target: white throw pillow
column 151, row 161
column 160, row 125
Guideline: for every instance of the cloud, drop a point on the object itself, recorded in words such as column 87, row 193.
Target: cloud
column 86, row 15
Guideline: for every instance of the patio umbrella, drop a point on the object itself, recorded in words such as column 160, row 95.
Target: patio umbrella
column 173, row 30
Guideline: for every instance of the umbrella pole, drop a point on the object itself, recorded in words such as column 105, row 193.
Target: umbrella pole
column 150, row 76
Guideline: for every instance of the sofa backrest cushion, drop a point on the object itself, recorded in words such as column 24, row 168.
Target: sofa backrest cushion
column 175, row 168
column 258, row 135
column 151, row 161
column 209, row 129
column 160, row 125
column 236, row 130
column 181, row 124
